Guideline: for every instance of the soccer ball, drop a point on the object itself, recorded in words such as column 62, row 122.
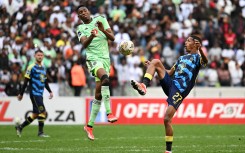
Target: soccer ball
column 17, row 121
column 126, row 47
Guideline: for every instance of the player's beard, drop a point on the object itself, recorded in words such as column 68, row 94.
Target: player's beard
column 39, row 60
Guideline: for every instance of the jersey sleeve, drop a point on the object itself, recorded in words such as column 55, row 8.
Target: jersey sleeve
column 80, row 32
column 105, row 23
column 28, row 72
column 175, row 65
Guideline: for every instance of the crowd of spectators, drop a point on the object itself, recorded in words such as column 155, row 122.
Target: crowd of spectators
column 158, row 29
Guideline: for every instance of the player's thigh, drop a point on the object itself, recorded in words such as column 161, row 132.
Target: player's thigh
column 175, row 98
column 166, row 84
column 105, row 69
column 99, row 68
column 160, row 69
column 169, row 113
column 38, row 105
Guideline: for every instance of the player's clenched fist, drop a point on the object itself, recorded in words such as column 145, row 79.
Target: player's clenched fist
column 94, row 32
column 100, row 26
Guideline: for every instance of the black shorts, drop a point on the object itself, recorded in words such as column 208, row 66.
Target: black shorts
column 37, row 103
column 174, row 95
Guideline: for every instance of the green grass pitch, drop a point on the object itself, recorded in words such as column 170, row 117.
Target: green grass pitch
column 125, row 139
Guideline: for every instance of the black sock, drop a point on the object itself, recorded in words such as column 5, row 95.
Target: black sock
column 146, row 81
column 40, row 127
column 41, row 120
column 26, row 122
column 169, row 146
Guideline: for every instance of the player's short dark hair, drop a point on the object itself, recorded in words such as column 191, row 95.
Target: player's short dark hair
column 196, row 38
column 38, row 51
column 82, row 5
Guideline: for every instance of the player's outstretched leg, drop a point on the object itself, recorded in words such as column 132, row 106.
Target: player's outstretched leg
column 140, row 87
column 28, row 121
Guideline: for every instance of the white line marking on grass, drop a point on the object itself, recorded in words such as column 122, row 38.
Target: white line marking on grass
column 22, row 141
column 98, row 149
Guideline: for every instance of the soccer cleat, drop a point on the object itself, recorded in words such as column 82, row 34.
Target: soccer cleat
column 168, row 151
column 140, row 87
column 111, row 118
column 42, row 135
column 89, row 131
column 18, row 130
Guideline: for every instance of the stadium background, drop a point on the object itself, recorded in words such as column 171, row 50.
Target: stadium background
column 158, row 28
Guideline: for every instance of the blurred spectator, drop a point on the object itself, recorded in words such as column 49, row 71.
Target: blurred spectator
column 224, row 75
column 57, row 14
column 215, row 52
column 212, row 75
column 135, row 72
column 78, row 78
column 240, row 56
column 123, row 75
column 230, row 37
column 49, row 52
column 52, row 73
column 4, row 61
column 117, row 14
column 121, row 35
column 4, row 78
column 12, row 6
column 236, row 75
column 13, row 86
column 113, row 78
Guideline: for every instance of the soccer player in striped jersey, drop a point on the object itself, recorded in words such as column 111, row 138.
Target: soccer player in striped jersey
column 176, row 82
column 36, row 76
column 94, row 34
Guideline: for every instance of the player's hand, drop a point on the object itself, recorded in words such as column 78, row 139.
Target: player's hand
column 19, row 97
column 198, row 44
column 147, row 63
column 51, row 95
column 94, row 32
column 100, row 26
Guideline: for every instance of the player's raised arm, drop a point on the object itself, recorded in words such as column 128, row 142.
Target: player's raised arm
column 204, row 59
column 171, row 71
column 87, row 40
column 108, row 32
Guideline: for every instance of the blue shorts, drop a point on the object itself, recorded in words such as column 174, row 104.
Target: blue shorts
column 174, row 95
column 37, row 103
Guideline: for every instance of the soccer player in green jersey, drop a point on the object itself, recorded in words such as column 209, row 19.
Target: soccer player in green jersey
column 94, row 34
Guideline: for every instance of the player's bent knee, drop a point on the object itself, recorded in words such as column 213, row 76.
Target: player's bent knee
column 42, row 115
column 104, row 80
column 98, row 96
column 34, row 116
column 167, row 120
column 156, row 62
